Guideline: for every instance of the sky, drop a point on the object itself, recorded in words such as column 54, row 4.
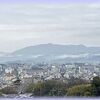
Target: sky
column 30, row 22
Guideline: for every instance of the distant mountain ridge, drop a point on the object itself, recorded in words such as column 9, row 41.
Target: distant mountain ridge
column 56, row 49
column 54, row 53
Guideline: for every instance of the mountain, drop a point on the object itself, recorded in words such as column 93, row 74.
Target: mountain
column 54, row 53
column 52, row 49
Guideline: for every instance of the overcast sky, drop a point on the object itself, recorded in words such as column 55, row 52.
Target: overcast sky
column 27, row 24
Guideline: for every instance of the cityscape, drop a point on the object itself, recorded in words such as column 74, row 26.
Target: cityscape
column 41, row 72
column 49, row 49
column 30, row 73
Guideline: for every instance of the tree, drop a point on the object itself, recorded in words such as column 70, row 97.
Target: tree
column 79, row 90
column 30, row 88
column 76, row 81
column 48, row 88
column 96, row 86
column 39, row 89
column 9, row 90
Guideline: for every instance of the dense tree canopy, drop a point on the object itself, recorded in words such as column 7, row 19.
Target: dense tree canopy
column 48, row 88
column 79, row 90
column 96, row 86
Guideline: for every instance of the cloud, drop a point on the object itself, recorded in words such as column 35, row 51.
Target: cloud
column 28, row 24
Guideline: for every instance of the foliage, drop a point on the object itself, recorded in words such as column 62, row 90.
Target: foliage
column 76, row 81
column 79, row 90
column 0, row 93
column 74, row 87
column 96, row 86
column 9, row 90
column 48, row 88
column 30, row 88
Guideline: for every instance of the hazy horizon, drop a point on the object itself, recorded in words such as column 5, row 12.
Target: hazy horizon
column 49, row 44
column 28, row 24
